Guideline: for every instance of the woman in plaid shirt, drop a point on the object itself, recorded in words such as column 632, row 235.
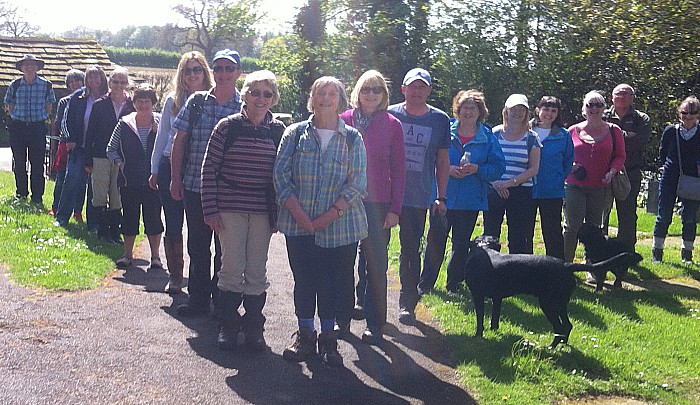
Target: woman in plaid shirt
column 320, row 178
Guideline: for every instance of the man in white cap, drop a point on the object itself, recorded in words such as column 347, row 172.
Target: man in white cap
column 29, row 100
column 194, row 125
column 637, row 130
column 426, row 139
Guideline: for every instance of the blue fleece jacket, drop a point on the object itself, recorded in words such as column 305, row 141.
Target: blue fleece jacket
column 556, row 160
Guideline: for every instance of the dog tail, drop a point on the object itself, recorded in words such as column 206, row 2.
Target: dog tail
column 623, row 259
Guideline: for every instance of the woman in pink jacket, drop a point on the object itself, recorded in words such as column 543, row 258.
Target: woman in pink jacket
column 588, row 194
column 386, row 177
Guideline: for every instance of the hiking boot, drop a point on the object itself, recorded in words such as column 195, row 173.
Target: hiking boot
column 657, row 255
column 358, row 313
column 372, row 338
column 229, row 320
column 407, row 317
column 254, row 321
column 328, row 349
column 687, row 256
column 173, row 255
column 303, row 346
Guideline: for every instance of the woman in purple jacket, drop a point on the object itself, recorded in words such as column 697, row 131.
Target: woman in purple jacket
column 386, row 177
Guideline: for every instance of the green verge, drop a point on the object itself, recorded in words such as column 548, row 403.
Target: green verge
column 37, row 254
column 638, row 343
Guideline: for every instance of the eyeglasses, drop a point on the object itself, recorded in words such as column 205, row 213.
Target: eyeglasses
column 258, row 93
column 591, row 105
column 196, row 70
column 122, row 82
column 624, row 94
column 689, row 112
column 229, row 69
column 374, row 89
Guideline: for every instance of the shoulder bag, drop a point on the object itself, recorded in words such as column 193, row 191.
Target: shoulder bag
column 688, row 186
column 620, row 183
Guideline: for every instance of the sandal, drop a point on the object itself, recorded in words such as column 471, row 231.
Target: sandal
column 156, row 263
column 123, row 262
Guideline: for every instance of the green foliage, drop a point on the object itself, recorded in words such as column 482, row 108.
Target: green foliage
column 143, row 57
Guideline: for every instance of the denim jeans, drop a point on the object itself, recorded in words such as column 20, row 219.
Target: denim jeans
column 374, row 250
column 74, row 186
column 202, row 284
column 174, row 209
column 520, row 219
column 28, row 142
column 323, row 278
column 550, row 223
column 667, row 201
column 461, row 223
column 411, row 229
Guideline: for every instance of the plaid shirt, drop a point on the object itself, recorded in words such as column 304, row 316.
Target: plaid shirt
column 30, row 100
column 197, row 141
column 318, row 179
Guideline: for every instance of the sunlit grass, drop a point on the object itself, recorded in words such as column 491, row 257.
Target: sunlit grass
column 637, row 343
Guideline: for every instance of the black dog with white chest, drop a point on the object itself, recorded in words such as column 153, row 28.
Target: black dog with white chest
column 599, row 247
column 489, row 273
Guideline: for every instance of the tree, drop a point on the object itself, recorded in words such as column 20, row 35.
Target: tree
column 216, row 24
column 13, row 23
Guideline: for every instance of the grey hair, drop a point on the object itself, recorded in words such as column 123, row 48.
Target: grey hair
column 322, row 82
column 261, row 76
column 74, row 74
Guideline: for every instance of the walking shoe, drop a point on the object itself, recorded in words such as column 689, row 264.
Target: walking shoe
column 342, row 329
column 372, row 338
column 78, row 217
column 407, row 317
column 227, row 338
column 188, row 309
column 124, row 262
column 687, row 256
column 328, row 349
column 657, row 255
column 358, row 313
column 303, row 346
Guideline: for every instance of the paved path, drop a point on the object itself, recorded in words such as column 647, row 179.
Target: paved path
column 122, row 343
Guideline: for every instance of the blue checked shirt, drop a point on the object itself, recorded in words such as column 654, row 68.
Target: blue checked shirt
column 318, row 179
column 30, row 100
column 197, row 141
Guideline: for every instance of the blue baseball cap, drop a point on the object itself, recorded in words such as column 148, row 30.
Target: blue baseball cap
column 417, row 74
column 228, row 54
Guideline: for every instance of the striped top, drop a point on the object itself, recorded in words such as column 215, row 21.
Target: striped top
column 318, row 179
column 240, row 179
column 516, row 153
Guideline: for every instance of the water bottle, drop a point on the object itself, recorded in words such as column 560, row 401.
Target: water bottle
column 465, row 158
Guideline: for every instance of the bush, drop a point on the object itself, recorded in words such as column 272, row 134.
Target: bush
column 143, row 57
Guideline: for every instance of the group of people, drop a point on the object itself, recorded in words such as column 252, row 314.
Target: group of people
column 335, row 182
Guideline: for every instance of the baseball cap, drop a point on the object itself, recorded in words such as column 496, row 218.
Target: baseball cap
column 417, row 74
column 517, row 99
column 228, row 54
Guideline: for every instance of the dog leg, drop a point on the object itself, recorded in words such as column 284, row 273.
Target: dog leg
column 557, row 340
column 479, row 309
column 496, row 313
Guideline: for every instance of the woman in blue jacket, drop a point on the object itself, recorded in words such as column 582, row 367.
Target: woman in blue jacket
column 556, row 160
column 467, row 188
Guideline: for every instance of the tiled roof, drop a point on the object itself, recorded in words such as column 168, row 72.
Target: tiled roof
column 59, row 56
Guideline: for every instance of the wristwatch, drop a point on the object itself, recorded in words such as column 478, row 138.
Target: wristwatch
column 340, row 211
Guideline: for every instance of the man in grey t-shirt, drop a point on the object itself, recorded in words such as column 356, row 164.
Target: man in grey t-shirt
column 426, row 138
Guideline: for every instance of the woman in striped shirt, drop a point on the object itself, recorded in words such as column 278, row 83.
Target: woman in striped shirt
column 512, row 194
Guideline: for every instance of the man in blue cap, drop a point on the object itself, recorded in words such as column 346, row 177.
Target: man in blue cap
column 29, row 100
column 426, row 139
column 194, row 125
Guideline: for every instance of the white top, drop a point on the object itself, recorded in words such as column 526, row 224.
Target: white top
column 325, row 135
column 542, row 133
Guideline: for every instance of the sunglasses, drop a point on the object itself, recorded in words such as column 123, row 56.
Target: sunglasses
column 196, row 70
column 591, row 105
column 229, row 69
column 374, row 89
column 258, row 93
column 689, row 112
column 122, row 82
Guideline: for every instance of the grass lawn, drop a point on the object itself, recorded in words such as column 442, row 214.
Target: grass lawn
column 37, row 254
column 642, row 342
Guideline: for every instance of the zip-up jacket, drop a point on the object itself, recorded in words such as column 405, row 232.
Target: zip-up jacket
column 125, row 147
column 556, row 161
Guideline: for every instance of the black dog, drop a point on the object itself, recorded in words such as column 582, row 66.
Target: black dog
column 599, row 247
column 489, row 273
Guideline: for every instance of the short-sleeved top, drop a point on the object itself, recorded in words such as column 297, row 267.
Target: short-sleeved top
column 517, row 153
column 423, row 136
column 211, row 114
column 30, row 100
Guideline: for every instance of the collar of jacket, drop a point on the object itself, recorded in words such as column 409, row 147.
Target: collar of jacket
column 479, row 137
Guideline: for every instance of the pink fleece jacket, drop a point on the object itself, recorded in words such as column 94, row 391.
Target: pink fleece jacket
column 595, row 157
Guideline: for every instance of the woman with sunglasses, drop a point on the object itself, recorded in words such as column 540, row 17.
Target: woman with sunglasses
column 556, row 159
column 679, row 141
column 192, row 75
column 588, row 195
column 103, row 173
column 386, row 178
column 238, row 203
